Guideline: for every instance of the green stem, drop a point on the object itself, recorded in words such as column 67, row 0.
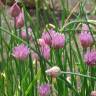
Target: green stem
column 30, row 59
column 20, row 77
column 36, row 80
column 81, row 75
column 78, row 21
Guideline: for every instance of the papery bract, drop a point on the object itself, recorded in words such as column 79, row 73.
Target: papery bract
column 15, row 10
column 54, row 71
column 85, row 27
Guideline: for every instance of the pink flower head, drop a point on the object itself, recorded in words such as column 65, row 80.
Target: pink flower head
column 90, row 58
column 58, row 40
column 86, row 39
column 20, row 20
column 93, row 93
column 24, row 34
column 54, row 71
column 85, row 27
column 54, row 39
column 47, row 36
column 45, row 51
column 41, row 42
column 15, row 10
column 21, row 52
column 44, row 90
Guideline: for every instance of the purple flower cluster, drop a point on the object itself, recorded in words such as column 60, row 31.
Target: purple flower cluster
column 50, row 38
column 58, row 40
column 90, row 58
column 24, row 34
column 45, row 51
column 21, row 52
column 85, row 37
column 44, row 90
column 54, row 39
column 47, row 36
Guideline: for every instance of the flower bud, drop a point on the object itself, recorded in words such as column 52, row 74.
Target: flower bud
column 15, row 10
column 20, row 20
column 54, row 71
column 93, row 93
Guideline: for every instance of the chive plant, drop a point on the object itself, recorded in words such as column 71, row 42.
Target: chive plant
column 61, row 66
